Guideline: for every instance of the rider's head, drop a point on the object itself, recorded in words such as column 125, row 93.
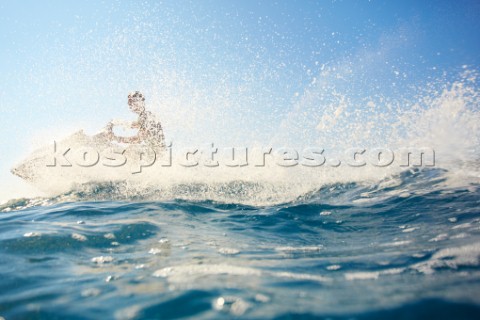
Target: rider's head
column 136, row 101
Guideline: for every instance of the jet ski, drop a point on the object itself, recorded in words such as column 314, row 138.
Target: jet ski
column 80, row 159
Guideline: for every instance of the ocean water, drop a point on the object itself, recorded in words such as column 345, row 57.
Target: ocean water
column 407, row 248
column 272, row 242
column 264, row 242
column 247, row 242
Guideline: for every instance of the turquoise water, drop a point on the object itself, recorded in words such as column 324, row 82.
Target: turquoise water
column 344, row 251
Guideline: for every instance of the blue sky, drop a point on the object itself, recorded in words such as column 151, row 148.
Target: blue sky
column 67, row 65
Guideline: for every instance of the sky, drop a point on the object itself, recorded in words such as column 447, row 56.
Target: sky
column 209, row 68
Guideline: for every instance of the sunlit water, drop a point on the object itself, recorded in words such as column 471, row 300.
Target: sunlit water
column 343, row 251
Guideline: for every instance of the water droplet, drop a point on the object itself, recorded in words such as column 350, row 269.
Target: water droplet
column 155, row 251
column 32, row 234
column 228, row 251
column 102, row 259
column 334, row 267
column 79, row 237
column 219, row 303
column 92, row 292
column 262, row 298
column 164, row 241
column 239, row 307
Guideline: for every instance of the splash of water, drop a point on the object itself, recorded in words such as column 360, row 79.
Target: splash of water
column 443, row 117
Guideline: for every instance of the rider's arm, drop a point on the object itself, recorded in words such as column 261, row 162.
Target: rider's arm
column 135, row 125
column 113, row 137
column 125, row 124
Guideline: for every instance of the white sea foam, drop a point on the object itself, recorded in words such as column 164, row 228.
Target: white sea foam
column 185, row 273
column 455, row 257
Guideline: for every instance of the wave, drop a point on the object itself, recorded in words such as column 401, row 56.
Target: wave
column 409, row 183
